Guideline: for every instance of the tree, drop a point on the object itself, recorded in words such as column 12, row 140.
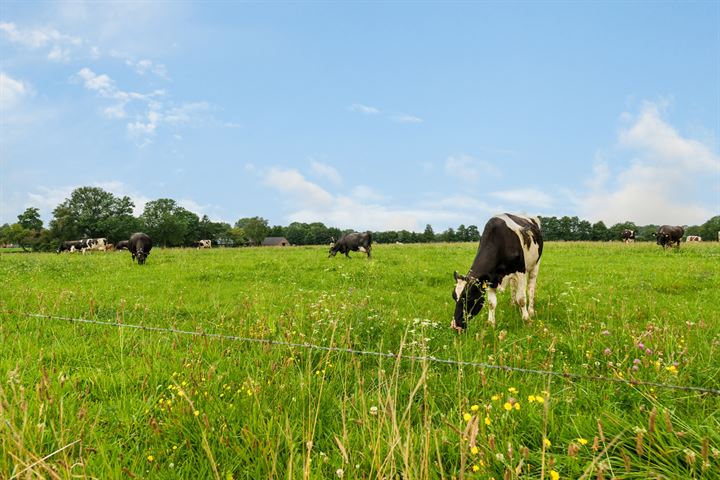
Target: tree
column 473, row 233
column 256, row 228
column 90, row 212
column 30, row 219
column 429, row 234
column 599, row 232
column 169, row 224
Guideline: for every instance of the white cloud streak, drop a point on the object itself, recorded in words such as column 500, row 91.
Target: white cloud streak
column 469, row 169
column 366, row 109
column 326, row 171
column 12, row 91
column 661, row 183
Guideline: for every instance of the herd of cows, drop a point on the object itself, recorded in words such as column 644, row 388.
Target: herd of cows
column 508, row 255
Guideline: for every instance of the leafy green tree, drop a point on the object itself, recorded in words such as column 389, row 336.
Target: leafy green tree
column 89, row 212
column 30, row 219
column 472, row 233
column 256, row 228
column 167, row 223
column 599, row 232
column 709, row 230
column 429, row 234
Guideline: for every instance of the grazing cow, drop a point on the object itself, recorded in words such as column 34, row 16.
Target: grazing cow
column 99, row 244
column 70, row 246
column 693, row 238
column 510, row 250
column 352, row 241
column 139, row 246
column 628, row 236
column 122, row 245
column 667, row 235
column 203, row 244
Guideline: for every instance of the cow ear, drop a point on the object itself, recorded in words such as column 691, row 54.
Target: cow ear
column 459, row 277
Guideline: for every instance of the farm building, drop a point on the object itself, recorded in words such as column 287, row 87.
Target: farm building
column 275, row 242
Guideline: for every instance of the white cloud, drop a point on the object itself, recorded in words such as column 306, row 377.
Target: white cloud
column 12, row 91
column 469, row 169
column 100, row 83
column 366, row 109
column 406, row 118
column 363, row 208
column 326, row 171
column 530, row 197
column 144, row 66
column 60, row 45
column 363, row 193
column 291, row 182
column 662, row 181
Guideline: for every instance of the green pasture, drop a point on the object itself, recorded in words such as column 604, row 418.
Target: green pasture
column 94, row 401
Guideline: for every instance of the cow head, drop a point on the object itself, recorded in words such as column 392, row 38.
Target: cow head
column 141, row 256
column 334, row 248
column 469, row 296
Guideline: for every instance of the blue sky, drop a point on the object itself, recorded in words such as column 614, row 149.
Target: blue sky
column 368, row 115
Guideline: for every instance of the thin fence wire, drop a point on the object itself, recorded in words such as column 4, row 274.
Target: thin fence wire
column 402, row 356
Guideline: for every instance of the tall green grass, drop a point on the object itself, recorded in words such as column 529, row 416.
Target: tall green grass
column 160, row 405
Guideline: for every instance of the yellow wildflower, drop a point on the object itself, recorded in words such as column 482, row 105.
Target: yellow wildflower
column 150, row 458
column 495, row 398
column 474, row 450
column 475, row 468
column 507, row 406
column 174, row 447
column 474, row 408
column 513, row 390
column 196, row 412
column 672, row 369
column 467, row 416
column 582, row 441
column 531, row 398
column 554, row 475
column 547, row 442
column 488, row 421
column 517, row 406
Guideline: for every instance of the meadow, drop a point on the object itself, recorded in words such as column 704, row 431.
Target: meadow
column 127, row 403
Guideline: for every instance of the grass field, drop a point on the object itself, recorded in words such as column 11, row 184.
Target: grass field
column 145, row 404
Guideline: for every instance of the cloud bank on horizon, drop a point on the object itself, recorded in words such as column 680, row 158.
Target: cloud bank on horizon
column 236, row 111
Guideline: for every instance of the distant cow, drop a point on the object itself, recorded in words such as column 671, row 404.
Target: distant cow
column 71, row 246
column 203, row 244
column 693, row 238
column 122, row 245
column 510, row 249
column 139, row 246
column 99, row 244
column 352, row 241
column 628, row 236
column 667, row 235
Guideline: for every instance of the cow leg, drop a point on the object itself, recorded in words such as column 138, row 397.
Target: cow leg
column 368, row 249
column 520, row 295
column 492, row 304
column 532, row 281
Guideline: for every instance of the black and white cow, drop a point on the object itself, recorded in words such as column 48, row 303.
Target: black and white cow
column 510, row 250
column 139, row 246
column 72, row 245
column 203, row 244
column 667, row 235
column 628, row 236
column 693, row 238
column 352, row 241
column 122, row 245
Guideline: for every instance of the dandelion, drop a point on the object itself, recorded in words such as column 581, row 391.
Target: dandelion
column 547, row 442
column 554, row 475
column 196, row 412
column 517, row 406
column 373, row 411
column 474, row 408
column 150, row 458
column 488, row 421
column 513, row 390
column 467, row 416
column 672, row 369
column 174, row 447
column 339, row 472
column 474, row 450
column 495, row 398
column 507, row 406
column 531, row 398
column 582, row 441
column 475, row 468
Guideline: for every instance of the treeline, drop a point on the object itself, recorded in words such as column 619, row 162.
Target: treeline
column 92, row 212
